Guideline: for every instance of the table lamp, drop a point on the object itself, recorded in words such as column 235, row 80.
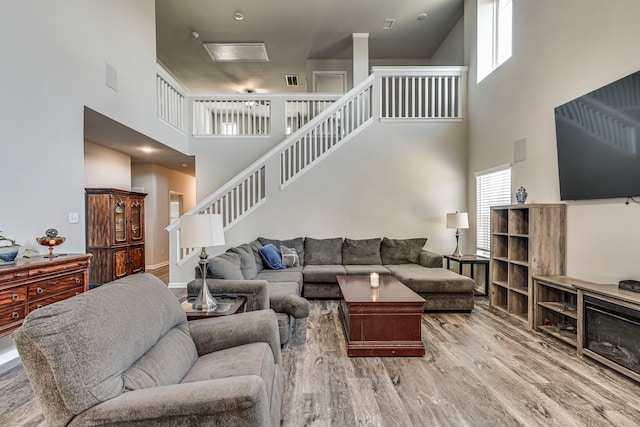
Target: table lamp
column 202, row 230
column 457, row 220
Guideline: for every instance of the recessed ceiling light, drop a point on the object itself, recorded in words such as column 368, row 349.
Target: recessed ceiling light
column 238, row 16
column 422, row 16
column 147, row 149
column 237, row 52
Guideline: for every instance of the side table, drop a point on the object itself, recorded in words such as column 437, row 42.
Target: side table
column 227, row 305
column 472, row 260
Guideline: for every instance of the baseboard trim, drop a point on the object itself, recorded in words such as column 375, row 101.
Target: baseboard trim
column 177, row 285
column 153, row 267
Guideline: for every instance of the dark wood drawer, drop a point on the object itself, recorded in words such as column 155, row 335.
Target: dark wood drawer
column 47, row 269
column 12, row 297
column 55, row 298
column 50, row 287
column 15, row 275
column 13, row 315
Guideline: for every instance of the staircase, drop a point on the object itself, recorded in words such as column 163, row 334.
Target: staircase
column 388, row 94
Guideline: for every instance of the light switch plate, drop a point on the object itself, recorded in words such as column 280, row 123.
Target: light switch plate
column 73, row 217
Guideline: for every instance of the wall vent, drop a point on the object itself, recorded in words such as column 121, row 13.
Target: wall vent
column 292, row 79
column 388, row 23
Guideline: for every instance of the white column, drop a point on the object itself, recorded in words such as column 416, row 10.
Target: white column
column 360, row 57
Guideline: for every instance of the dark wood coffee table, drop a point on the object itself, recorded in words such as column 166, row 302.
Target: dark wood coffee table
column 226, row 306
column 384, row 321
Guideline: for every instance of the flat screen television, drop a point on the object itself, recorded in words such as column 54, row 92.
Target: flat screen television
column 598, row 142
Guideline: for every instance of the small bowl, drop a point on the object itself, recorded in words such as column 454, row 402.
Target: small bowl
column 8, row 253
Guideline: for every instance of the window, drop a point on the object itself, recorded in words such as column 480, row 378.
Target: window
column 495, row 28
column 493, row 188
column 229, row 128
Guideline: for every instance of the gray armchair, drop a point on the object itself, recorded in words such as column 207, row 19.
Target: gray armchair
column 124, row 354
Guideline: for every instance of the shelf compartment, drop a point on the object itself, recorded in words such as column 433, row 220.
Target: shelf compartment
column 519, row 249
column 498, row 296
column 518, row 277
column 500, row 246
column 518, row 305
column 519, row 221
column 565, row 336
column 561, row 308
column 500, row 221
column 499, row 270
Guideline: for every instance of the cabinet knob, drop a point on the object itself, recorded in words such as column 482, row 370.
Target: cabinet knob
column 77, row 280
column 42, row 270
column 39, row 306
column 15, row 297
column 15, row 315
column 39, row 290
column 18, row 274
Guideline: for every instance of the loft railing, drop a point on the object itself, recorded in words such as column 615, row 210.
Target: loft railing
column 429, row 93
column 226, row 116
column 421, row 94
column 171, row 100
column 298, row 112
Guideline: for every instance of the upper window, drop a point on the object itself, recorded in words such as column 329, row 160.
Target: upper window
column 493, row 188
column 495, row 24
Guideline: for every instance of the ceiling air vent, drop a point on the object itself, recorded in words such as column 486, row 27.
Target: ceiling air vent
column 388, row 23
column 292, row 79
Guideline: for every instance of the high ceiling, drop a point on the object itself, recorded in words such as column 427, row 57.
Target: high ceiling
column 293, row 31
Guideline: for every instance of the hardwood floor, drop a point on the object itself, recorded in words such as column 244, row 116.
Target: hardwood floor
column 161, row 273
column 480, row 369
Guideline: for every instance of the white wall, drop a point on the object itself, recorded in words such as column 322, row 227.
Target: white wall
column 106, row 168
column 561, row 50
column 158, row 182
column 53, row 65
column 393, row 180
column 451, row 50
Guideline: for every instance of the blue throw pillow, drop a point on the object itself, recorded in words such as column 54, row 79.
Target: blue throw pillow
column 271, row 257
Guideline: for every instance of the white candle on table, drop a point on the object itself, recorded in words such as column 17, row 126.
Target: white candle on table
column 374, row 278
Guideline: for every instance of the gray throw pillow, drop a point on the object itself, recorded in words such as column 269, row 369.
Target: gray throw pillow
column 361, row 252
column 323, row 251
column 225, row 266
column 247, row 260
column 290, row 257
column 401, row 251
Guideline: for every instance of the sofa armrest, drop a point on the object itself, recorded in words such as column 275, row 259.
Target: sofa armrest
column 293, row 305
column 227, row 401
column 218, row 333
column 431, row 259
column 256, row 291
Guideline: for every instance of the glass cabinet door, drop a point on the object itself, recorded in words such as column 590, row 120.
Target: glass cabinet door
column 136, row 220
column 120, row 221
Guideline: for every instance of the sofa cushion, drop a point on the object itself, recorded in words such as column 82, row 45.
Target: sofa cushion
column 225, row 266
column 322, row 273
column 255, row 246
column 297, row 244
column 364, row 251
column 366, row 269
column 247, row 260
column 323, row 251
column 175, row 350
column 431, row 280
column 284, row 297
column 271, row 257
column 248, row 359
column 401, row 251
column 291, row 274
column 90, row 340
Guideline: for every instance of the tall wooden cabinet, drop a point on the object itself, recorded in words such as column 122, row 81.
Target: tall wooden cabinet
column 526, row 241
column 115, row 233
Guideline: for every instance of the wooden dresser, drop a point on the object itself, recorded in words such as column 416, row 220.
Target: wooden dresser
column 34, row 282
column 115, row 233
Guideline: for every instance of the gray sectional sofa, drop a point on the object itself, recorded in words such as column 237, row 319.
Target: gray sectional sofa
column 241, row 270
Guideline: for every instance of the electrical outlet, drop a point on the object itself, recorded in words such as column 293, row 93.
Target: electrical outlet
column 73, row 218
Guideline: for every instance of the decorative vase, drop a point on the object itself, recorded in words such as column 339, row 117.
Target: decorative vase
column 8, row 253
column 521, row 195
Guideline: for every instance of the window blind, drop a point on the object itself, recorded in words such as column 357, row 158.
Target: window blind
column 492, row 189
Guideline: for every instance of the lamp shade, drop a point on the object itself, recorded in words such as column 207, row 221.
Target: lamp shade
column 201, row 231
column 457, row 220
